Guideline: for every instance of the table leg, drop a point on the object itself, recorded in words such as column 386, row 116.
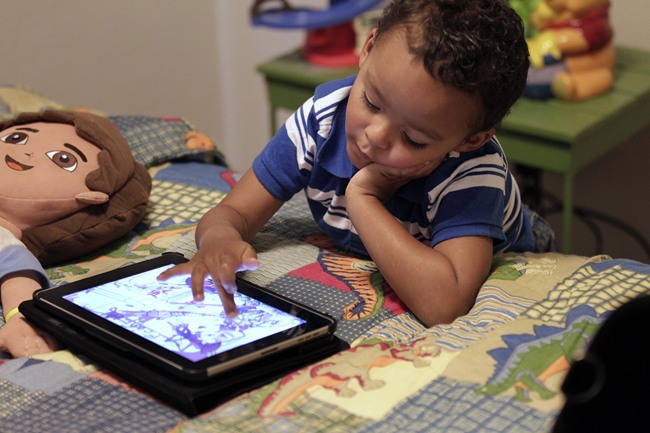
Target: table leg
column 273, row 120
column 567, row 214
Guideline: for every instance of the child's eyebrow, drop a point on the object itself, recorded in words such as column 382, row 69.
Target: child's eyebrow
column 76, row 150
column 27, row 129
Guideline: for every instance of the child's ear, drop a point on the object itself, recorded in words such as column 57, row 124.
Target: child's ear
column 475, row 141
column 367, row 46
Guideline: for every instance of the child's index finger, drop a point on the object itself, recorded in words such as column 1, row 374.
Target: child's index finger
column 179, row 269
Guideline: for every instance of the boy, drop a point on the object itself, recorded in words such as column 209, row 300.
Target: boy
column 399, row 162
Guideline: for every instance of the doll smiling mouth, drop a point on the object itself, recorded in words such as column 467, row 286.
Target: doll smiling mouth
column 15, row 165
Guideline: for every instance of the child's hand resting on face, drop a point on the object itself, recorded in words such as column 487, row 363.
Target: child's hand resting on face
column 382, row 181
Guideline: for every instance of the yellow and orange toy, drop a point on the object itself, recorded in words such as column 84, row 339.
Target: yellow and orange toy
column 572, row 54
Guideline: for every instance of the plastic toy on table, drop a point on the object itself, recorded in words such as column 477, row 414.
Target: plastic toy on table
column 331, row 38
column 571, row 52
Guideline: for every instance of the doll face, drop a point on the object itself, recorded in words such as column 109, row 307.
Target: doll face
column 45, row 160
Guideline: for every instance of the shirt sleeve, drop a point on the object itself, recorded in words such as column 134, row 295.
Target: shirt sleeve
column 284, row 165
column 476, row 211
column 16, row 257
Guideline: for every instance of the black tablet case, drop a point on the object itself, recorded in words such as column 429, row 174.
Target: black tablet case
column 192, row 398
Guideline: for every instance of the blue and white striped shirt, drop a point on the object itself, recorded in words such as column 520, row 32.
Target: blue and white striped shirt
column 469, row 194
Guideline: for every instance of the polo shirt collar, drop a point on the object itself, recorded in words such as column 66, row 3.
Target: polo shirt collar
column 333, row 154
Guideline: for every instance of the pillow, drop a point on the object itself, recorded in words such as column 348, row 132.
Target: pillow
column 15, row 100
column 155, row 140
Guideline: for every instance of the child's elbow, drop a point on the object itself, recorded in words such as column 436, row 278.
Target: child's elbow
column 444, row 314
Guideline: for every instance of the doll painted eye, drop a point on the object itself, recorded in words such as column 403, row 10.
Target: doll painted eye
column 63, row 159
column 15, row 138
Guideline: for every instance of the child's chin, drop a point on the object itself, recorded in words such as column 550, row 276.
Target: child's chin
column 358, row 159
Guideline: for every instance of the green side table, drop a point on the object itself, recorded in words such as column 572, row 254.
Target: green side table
column 565, row 137
column 291, row 81
column 551, row 135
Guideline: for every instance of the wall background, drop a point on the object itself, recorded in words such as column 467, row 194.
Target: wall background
column 197, row 58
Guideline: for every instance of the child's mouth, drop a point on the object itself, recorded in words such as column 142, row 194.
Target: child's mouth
column 361, row 154
column 15, row 165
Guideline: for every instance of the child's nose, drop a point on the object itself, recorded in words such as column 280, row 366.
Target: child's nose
column 379, row 134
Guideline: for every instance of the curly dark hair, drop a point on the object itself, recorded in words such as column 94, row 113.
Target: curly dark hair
column 477, row 46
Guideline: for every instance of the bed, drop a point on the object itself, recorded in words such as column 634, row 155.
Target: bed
column 498, row 368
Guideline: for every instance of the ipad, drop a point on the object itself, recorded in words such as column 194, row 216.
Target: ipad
column 159, row 322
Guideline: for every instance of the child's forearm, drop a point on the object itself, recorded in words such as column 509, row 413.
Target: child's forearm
column 435, row 284
column 224, row 220
column 243, row 211
column 423, row 280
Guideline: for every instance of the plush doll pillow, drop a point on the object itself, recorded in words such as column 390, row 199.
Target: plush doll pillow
column 119, row 190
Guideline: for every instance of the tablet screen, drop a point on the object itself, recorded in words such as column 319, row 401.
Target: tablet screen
column 164, row 313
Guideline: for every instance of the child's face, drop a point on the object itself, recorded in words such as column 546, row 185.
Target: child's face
column 45, row 161
column 399, row 116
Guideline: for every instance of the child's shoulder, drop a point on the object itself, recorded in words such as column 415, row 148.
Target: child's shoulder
column 328, row 98
column 341, row 86
column 491, row 149
column 488, row 157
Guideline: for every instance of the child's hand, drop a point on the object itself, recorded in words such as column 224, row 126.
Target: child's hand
column 20, row 339
column 382, row 182
column 219, row 258
column 223, row 236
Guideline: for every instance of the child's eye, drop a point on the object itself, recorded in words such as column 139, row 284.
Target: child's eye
column 369, row 104
column 413, row 143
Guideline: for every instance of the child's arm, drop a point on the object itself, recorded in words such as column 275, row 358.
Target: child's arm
column 17, row 336
column 223, row 237
column 438, row 284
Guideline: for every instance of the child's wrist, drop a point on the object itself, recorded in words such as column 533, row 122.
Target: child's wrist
column 11, row 314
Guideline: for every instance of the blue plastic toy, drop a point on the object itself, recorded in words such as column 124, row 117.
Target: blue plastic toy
column 287, row 17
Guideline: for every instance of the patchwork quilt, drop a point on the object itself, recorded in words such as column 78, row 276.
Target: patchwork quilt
column 498, row 368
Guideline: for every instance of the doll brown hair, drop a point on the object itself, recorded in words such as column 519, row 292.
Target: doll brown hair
column 119, row 175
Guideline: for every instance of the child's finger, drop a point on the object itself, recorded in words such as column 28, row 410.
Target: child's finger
column 197, row 280
column 228, row 301
column 181, row 269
